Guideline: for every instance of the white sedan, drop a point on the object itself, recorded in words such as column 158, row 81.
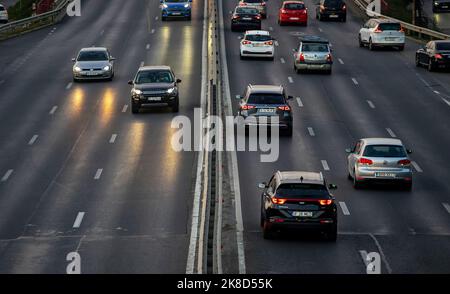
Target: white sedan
column 257, row 44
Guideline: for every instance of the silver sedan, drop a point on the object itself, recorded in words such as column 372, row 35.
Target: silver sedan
column 380, row 160
column 95, row 63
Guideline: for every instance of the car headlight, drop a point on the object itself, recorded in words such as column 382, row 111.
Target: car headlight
column 137, row 91
column 164, row 5
column 186, row 5
column 77, row 69
column 106, row 68
column 171, row 90
column 436, row 3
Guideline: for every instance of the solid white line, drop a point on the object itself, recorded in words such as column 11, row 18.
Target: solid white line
column 325, row 165
column 340, row 61
column 78, row 220
column 290, row 80
column 299, row 102
column 142, row 63
column 53, row 110
column 113, row 138
column 383, row 257
column 69, row 85
column 282, row 60
column 344, row 208
column 7, row 175
column 370, row 104
column 276, row 43
column 446, row 206
column 153, row 31
column 416, row 166
column 446, row 101
column 33, row 139
column 147, row 47
column 311, row 132
column 98, row 174
column 355, row 81
column 391, row 133
column 436, row 92
column 125, row 107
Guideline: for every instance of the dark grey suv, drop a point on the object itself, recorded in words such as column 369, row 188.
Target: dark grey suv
column 154, row 86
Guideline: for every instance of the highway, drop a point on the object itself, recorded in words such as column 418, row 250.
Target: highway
column 79, row 172
column 91, row 154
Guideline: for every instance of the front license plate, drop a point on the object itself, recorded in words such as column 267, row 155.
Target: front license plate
column 302, row 213
column 154, row 99
column 90, row 73
column 385, row 175
column 333, row 15
column 176, row 13
column 266, row 110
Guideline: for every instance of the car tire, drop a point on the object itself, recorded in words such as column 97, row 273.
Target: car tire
column 289, row 131
column 75, row 80
column 176, row 106
column 401, row 48
column 271, row 58
column 319, row 17
column 417, row 61
column 349, row 177
column 407, row 186
column 331, row 234
column 267, row 232
column 344, row 19
column 356, row 184
column 189, row 18
column 431, row 66
column 134, row 108
column 329, row 71
column 371, row 47
column 163, row 18
column 361, row 43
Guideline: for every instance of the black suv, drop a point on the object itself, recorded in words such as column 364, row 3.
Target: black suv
column 245, row 18
column 331, row 9
column 266, row 101
column 154, row 85
column 298, row 200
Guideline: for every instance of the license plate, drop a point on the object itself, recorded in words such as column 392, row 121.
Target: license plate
column 176, row 13
column 258, row 45
column 333, row 15
column 302, row 213
column 266, row 110
column 385, row 175
column 294, row 18
column 247, row 18
column 91, row 73
column 445, row 6
column 390, row 38
column 154, row 98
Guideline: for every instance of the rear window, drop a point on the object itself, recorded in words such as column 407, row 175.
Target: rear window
column 389, row 26
column 312, row 47
column 384, row 151
column 333, row 3
column 443, row 46
column 299, row 190
column 294, row 6
column 266, row 99
column 258, row 38
column 244, row 10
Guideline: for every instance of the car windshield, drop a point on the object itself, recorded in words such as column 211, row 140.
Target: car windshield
column 333, row 3
column 384, row 151
column 244, row 10
column 300, row 190
column 265, row 99
column 389, row 26
column 443, row 46
column 258, row 38
column 314, row 47
column 92, row 56
column 154, row 76
column 294, row 6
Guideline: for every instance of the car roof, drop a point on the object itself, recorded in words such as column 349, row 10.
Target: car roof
column 313, row 39
column 154, row 67
column 256, row 32
column 290, row 1
column 384, row 20
column 94, row 49
column 300, row 177
column 382, row 141
column 266, row 89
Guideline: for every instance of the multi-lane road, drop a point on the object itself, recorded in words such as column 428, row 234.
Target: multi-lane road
column 79, row 172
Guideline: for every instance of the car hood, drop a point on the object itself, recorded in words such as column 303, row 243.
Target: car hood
column 92, row 64
column 154, row 86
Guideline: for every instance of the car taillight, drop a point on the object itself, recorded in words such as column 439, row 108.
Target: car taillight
column 242, row 4
column 285, row 108
column 365, row 161
column 258, row 17
column 378, row 30
column 263, row 4
column 438, row 56
column 276, row 200
column 301, row 57
column 402, row 29
column 283, row 11
column 344, row 7
column 404, row 162
column 246, row 42
column 236, row 17
column 304, row 11
column 247, row 107
column 268, row 43
column 325, row 202
column 322, row 8
column 329, row 58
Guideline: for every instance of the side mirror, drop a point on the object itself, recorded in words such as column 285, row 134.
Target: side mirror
column 290, row 97
column 239, row 97
column 262, row 185
column 295, row 50
column 130, row 82
column 348, row 150
column 73, row 59
column 332, row 186
column 409, row 151
column 178, row 81
column 112, row 58
column 241, row 37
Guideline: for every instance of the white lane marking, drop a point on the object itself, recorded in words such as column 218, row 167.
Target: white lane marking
column 69, row 85
column 282, row 60
column 391, row 133
column 53, row 110
column 340, row 61
column 325, row 165
column 7, row 175
column 423, row 80
column 78, row 220
column 147, row 47
column 153, row 31
column 380, row 250
column 320, row 30
column 98, row 174
column 446, row 206
column 446, row 101
column 156, row 18
column 142, row 63
column 125, row 107
column 33, row 139
column 436, row 92
column 416, row 166
column 299, row 102
column 370, row 104
column 311, row 132
column 276, row 43
column 355, row 81
column 290, row 80
column 344, row 208
column 363, row 254
column 270, row 28
column 113, row 138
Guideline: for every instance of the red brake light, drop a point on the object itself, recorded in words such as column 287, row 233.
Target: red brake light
column 301, row 57
column 404, row 162
column 378, row 30
column 283, row 11
column 258, row 17
column 236, row 17
column 246, row 42
column 263, row 4
column 276, row 200
column 247, row 107
column 402, row 29
column 344, row 7
column 438, row 56
column 365, row 161
column 268, row 43
column 325, row 202
column 285, row 108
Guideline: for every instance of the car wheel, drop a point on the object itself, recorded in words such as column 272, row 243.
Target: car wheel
column 329, row 71
column 344, row 19
column 176, row 106
column 417, row 60
column 401, row 48
column 430, row 65
column 356, row 184
column 361, row 43
column 163, row 18
column 267, row 232
column 75, row 80
column 407, row 186
column 371, row 47
column 289, row 131
column 271, row 58
column 331, row 234
column 319, row 17
column 134, row 108
column 349, row 176
column 189, row 17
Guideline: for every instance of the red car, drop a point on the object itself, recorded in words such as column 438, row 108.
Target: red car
column 293, row 12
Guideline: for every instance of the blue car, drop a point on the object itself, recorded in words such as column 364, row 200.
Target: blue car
column 175, row 8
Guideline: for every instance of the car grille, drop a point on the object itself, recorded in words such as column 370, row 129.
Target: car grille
column 89, row 69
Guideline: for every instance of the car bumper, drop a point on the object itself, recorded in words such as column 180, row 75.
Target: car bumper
column 290, row 19
column 313, row 66
column 442, row 7
column 98, row 76
column 442, row 64
column 175, row 14
column 154, row 100
column 363, row 174
column 257, row 52
column 315, row 225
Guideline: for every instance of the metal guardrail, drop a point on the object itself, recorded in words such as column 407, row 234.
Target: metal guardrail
column 420, row 31
column 30, row 24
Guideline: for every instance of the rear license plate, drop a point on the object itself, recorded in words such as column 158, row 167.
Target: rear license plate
column 258, row 45
column 445, row 6
column 385, row 175
column 247, row 18
column 154, row 98
column 266, row 110
column 294, row 18
column 390, row 38
column 333, row 15
column 302, row 213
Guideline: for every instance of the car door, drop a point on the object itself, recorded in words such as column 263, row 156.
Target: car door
column 364, row 31
column 424, row 53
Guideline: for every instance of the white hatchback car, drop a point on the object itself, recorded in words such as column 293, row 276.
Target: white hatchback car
column 257, row 44
column 382, row 33
column 3, row 14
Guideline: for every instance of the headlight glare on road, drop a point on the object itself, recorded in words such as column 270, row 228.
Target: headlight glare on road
column 171, row 90
column 106, row 68
column 77, row 69
column 137, row 92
